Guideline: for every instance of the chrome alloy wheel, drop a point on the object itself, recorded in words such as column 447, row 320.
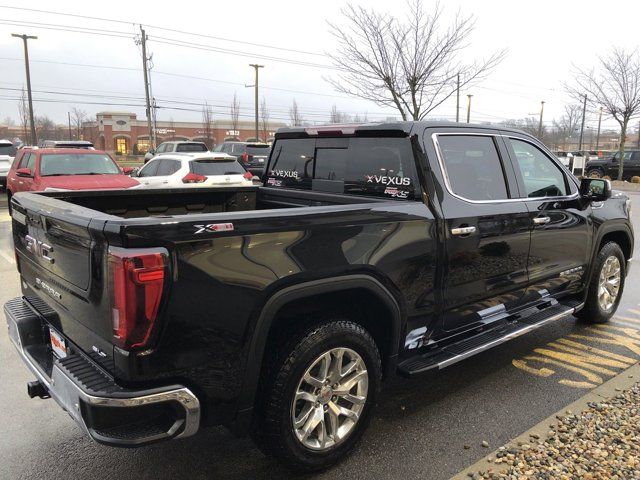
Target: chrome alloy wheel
column 329, row 399
column 609, row 283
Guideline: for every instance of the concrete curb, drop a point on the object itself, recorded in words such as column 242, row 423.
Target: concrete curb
column 625, row 186
column 623, row 381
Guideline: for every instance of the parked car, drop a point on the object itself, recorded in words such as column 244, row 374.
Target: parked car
column 7, row 154
column 609, row 166
column 54, row 169
column 204, row 169
column 278, row 310
column 176, row 146
column 252, row 155
column 66, row 144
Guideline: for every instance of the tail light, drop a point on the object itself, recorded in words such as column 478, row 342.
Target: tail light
column 136, row 279
column 248, row 175
column 193, row 178
column 246, row 158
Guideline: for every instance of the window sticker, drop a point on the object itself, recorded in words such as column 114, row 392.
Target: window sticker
column 284, row 174
column 396, row 193
column 274, row 182
column 386, row 180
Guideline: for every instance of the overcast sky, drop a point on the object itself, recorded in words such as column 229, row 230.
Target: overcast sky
column 544, row 38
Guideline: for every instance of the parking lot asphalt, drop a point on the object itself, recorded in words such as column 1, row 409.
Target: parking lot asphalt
column 428, row 428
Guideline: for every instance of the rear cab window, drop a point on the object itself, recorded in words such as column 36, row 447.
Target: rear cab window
column 372, row 166
column 191, row 147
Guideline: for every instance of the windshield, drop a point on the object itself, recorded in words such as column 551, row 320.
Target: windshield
column 8, row 150
column 77, row 164
column 258, row 149
column 217, row 167
column 191, row 147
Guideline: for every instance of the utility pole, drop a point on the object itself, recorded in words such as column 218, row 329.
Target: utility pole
column 469, row 108
column 598, row 135
column 256, row 67
column 69, row 118
column 458, row 100
column 24, row 38
column 540, row 124
column 143, row 41
column 584, row 112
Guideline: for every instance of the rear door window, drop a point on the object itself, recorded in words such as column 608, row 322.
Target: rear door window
column 167, row 167
column 258, row 150
column 473, row 167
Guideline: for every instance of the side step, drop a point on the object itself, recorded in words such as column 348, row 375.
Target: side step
column 456, row 352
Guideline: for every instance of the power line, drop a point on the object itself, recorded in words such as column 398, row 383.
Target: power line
column 243, row 42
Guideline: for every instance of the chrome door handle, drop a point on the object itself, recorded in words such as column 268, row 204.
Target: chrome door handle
column 541, row 220
column 463, row 230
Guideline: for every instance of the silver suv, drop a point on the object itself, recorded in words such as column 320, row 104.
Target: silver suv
column 176, row 146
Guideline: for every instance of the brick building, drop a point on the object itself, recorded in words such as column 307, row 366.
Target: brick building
column 124, row 133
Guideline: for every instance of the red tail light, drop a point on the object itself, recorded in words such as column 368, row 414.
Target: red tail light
column 245, row 157
column 193, row 178
column 248, row 175
column 136, row 281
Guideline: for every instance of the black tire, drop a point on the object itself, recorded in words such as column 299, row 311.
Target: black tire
column 595, row 173
column 273, row 429
column 593, row 312
column 9, row 201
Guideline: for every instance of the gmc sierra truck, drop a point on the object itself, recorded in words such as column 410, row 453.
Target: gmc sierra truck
column 278, row 310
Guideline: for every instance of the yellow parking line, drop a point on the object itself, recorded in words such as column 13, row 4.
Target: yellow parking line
column 635, row 312
column 627, row 319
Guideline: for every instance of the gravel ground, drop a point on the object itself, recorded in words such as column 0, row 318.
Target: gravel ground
column 602, row 442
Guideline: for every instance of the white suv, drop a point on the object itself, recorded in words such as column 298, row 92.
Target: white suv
column 207, row 169
column 7, row 154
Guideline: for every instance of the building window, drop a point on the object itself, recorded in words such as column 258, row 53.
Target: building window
column 121, row 146
column 143, row 145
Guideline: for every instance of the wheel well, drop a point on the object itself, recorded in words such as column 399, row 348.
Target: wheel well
column 358, row 305
column 619, row 237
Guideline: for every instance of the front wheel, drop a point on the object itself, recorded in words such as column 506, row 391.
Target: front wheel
column 595, row 173
column 317, row 402
column 606, row 285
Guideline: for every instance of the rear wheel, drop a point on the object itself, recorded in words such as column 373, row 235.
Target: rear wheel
column 595, row 173
column 606, row 285
column 317, row 401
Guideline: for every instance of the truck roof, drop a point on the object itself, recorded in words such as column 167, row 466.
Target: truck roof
column 403, row 128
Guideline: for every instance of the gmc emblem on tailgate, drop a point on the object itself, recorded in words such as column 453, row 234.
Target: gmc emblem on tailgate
column 38, row 248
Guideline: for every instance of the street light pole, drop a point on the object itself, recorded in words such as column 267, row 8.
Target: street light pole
column 256, row 67
column 540, row 124
column 584, row 112
column 24, row 38
column 469, row 108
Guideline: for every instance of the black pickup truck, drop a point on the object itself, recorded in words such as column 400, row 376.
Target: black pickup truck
column 278, row 310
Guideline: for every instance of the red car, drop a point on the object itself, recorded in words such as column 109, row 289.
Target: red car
column 50, row 169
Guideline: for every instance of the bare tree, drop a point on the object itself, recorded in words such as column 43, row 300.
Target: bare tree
column 207, row 124
column 23, row 113
column 336, row 116
column 8, row 121
column 294, row 114
column 411, row 65
column 264, row 119
column 530, row 125
column 235, row 114
column 569, row 123
column 46, row 129
column 615, row 85
column 78, row 117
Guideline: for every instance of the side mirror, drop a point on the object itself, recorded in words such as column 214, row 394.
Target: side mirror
column 127, row 170
column 24, row 172
column 595, row 189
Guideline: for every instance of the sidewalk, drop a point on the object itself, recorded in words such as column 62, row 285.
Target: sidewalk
column 600, row 441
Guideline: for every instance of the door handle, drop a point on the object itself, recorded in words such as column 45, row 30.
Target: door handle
column 541, row 220
column 463, row 230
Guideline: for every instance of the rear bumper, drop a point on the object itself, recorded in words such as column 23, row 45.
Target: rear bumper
column 108, row 413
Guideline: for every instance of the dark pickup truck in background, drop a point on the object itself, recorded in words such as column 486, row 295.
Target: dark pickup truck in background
column 278, row 310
